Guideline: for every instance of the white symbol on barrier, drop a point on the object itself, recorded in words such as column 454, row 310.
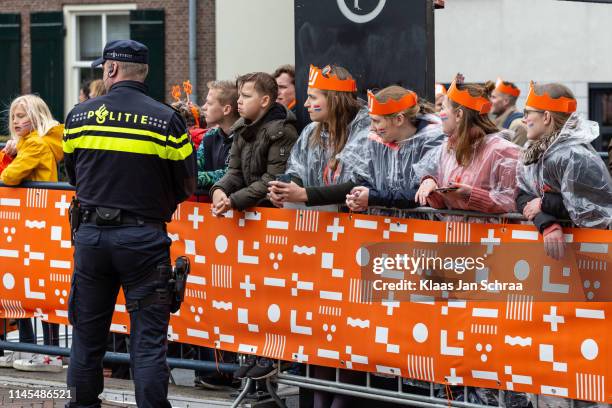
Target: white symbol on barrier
column 30, row 294
column 62, row 205
column 487, row 348
column 190, row 249
column 452, row 378
column 516, row 379
column 335, row 229
column 300, row 285
column 7, row 230
column 390, row 303
column 62, row 298
column 394, row 227
column 243, row 318
column 295, row 328
column 198, row 315
column 327, row 262
column 195, row 218
column 247, row 259
column 445, row 349
column 274, row 257
column 329, row 330
column 354, row 358
column 490, row 241
column 247, row 286
column 382, row 337
column 222, row 338
column 300, row 357
column 587, row 285
column 360, row 18
column 56, row 235
column 553, row 319
column 547, row 352
column 32, row 256
column 249, row 216
column 547, row 286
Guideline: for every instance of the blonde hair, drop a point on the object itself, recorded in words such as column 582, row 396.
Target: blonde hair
column 227, row 93
column 96, row 88
column 396, row 93
column 36, row 110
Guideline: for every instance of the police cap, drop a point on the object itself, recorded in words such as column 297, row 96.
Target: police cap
column 124, row 50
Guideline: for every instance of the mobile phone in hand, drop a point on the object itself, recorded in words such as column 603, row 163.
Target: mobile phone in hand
column 285, row 178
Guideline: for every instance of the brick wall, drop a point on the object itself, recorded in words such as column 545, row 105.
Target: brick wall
column 176, row 31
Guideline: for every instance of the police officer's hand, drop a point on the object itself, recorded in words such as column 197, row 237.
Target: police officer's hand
column 220, row 203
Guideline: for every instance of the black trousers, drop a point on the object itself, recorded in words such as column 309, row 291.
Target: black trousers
column 105, row 259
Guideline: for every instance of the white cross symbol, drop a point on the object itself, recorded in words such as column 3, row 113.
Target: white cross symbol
column 195, row 217
column 247, row 286
column 335, row 229
column 452, row 379
column 63, row 205
column 300, row 356
column 491, row 241
column 553, row 319
column 390, row 303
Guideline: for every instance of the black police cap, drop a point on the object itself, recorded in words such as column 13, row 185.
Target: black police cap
column 124, row 50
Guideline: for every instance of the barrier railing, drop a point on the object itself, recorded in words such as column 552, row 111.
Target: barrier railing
column 271, row 234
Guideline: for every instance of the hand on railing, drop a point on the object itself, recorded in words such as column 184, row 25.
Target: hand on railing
column 357, row 199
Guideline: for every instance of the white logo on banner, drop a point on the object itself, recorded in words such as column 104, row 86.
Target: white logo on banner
column 360, row 18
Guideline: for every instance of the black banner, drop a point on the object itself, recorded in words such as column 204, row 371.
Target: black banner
column 380, row 42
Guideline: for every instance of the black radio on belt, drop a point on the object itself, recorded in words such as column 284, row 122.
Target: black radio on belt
column 108, row 216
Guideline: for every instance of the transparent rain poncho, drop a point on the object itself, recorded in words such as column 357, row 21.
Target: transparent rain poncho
column 491, row 174
column 390, row 168
column 308, row 161
column 572, row 167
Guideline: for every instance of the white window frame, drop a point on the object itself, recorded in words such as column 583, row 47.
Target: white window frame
column 72, row 66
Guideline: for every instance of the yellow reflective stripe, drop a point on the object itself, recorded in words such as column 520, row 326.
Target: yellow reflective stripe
column 179, row 139
column 93, row 142
column 96, row 128
column 179, row 154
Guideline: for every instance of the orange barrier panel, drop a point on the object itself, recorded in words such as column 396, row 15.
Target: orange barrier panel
column 287, row 284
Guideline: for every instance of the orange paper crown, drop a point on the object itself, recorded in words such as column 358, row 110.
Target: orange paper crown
column 176, row 93
column 391, row 106
column 478, row 103
column 321, row 79
column 440, row 89
column 507, row 89
column 546, row 103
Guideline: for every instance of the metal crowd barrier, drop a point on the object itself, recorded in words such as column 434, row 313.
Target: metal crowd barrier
column 402, row 394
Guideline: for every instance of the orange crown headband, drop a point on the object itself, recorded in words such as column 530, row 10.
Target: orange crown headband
column 440, row 89
column 391, row 106
column 546, row 103
column 321, row 79
column 507, row 89
column 478, row 103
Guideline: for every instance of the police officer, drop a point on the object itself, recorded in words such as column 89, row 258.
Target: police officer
column 132, row 163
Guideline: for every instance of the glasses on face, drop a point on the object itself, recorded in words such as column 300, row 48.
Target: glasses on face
column 526, row 112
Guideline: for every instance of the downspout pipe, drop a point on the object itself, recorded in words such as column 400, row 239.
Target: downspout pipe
column 193, row 54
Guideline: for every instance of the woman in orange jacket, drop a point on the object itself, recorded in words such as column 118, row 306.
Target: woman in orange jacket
column 38, row 141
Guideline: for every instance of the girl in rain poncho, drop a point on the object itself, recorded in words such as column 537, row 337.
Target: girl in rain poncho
column 475, row 169
column 328, row 159
column 560, row 176
column 404, row 129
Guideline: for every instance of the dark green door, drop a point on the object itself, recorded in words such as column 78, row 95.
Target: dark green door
column 147, row 27
column 47, row 34
column 10, row 70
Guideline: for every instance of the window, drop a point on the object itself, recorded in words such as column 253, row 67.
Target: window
column 600, row 110
column 88, row 28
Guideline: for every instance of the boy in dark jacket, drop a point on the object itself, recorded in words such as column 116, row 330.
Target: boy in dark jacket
column 263, row 137
column 221, row 110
